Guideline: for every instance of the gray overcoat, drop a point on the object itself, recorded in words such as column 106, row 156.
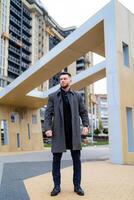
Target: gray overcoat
column 54, row 119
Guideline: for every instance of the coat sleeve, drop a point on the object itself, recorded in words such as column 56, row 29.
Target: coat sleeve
column 83, row 112
column 49, row 114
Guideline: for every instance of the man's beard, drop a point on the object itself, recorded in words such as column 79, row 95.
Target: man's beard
column 64, row 86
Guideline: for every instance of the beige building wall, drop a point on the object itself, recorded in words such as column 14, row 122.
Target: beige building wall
column 29, row 131
column 125, row 34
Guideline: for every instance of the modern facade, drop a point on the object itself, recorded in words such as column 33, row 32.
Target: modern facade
column 101, row 110
column 20, row 38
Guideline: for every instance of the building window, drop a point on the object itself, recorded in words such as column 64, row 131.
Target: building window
column 4, row 132
column 14, row 117
column 130, row 132
column 29, row 134
column 34, row 119
column 125, row 54
column 18, row 140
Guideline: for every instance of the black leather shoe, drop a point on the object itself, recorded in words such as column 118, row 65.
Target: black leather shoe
column 79, row 191
column 55, row 191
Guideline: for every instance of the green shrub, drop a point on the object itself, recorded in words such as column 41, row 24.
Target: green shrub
column 96, row 131
column 105, row 130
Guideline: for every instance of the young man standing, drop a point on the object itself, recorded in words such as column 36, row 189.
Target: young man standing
column 62, row 123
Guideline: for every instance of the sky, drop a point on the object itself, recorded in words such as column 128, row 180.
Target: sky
column 69, row 13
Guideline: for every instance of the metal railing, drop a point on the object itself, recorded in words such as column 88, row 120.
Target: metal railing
column 17, row 3
column 14, row 60
column 13, row 49
column 14, row 70
column 15, row 20
column 26, row 48
column 26, row 39
column 26, row 30
column 15, row 11
column 26, row 12
column 14, row 38
column 25, row 56
column 27, row 21
column 24, row 65
column 15, row 30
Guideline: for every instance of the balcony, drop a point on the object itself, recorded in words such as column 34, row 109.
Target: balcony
column 14, row 30
column 26, row 30
column 16, row 3
column 26, row 48
column 81, row 58
column 18, row 14
column 80, row 69
column 15, row 40
column 15, row 21
column 24, row 65
column 81, row 65
column 26, row 39
column 13, row 70
column 27, row 58
column 14, row 60
column 27, row 13
column 27, row 22
column 14, row 50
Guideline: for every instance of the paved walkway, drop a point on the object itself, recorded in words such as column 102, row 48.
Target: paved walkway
column 27, row 176
column 101, row 181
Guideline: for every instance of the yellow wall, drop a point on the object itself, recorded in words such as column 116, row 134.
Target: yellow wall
column 21, row 127
column 125, row 33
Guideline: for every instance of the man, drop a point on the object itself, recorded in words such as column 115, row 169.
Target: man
column 62, row 123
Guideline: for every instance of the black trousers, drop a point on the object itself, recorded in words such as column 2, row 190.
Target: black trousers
column 76, row 168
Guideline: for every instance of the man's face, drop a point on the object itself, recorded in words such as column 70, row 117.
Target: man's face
column 65, row 81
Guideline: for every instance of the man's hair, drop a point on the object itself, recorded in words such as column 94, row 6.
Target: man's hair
column 65, row 73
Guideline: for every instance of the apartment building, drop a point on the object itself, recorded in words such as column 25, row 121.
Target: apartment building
column 17, row 41
column 27, row 33
column 102, row 110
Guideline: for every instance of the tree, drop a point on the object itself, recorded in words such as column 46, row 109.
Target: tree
column 100, row 126
column 96, row 131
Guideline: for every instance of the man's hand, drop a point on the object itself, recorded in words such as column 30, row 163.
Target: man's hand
column 85, row 131
column 48, row 133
